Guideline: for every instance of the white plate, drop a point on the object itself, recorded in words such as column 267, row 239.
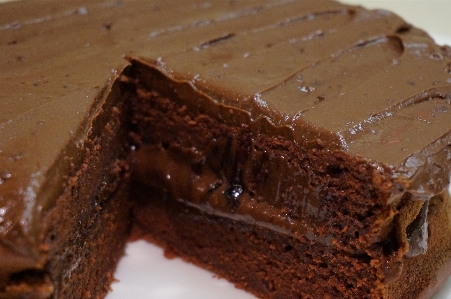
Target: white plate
column 144, row 273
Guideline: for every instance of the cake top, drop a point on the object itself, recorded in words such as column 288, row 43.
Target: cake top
column 364, row 82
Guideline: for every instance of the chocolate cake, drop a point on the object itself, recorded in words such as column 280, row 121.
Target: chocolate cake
column 300, row 149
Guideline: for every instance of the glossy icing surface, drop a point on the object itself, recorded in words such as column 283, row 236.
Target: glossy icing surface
column 271, row 58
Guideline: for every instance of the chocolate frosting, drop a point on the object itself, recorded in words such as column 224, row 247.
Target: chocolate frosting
column 382, row 93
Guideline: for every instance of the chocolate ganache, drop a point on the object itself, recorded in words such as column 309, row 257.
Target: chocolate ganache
column 312, row 119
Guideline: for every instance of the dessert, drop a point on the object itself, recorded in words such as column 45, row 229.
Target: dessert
column 228, row 139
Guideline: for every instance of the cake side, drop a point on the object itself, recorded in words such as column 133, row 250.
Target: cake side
column 90, row 218
column 84, row 234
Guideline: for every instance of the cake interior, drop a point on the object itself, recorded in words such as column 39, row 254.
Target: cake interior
column 220, row 195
